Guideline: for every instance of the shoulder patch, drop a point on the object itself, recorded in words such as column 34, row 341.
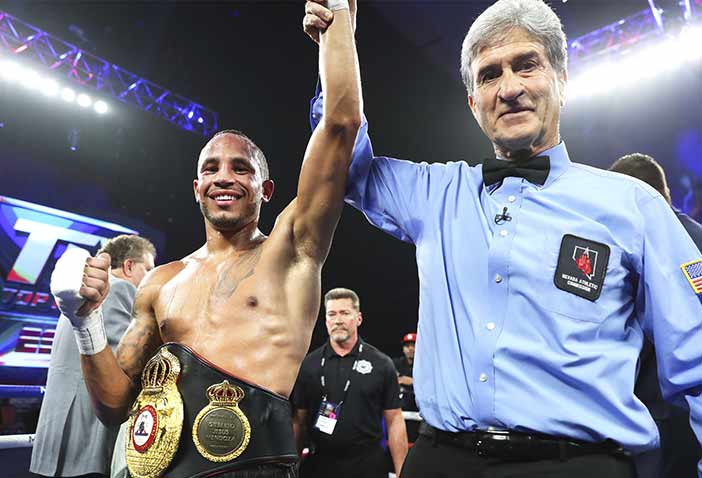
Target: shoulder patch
column 693, row 274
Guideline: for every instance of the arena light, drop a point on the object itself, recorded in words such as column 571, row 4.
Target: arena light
column 637, row 66
column 691, row 36
column 49, row 87
column 30, row 79
column 41, row 81
column 97, row 77
column 68, row 94
column 100, row 107
column 84, row 100
column 10, row 70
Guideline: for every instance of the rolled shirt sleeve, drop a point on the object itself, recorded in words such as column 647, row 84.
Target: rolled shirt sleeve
column 391, row 193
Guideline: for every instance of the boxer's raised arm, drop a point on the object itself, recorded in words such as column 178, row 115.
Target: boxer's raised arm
column 322, row 180
column 114, row 381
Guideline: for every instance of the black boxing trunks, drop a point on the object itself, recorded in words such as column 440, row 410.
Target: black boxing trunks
column 193, row 420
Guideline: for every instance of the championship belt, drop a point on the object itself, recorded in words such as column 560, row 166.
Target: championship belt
column 221, row 431
column 156, row 419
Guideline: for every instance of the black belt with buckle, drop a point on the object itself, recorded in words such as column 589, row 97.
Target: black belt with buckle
column 514, row 446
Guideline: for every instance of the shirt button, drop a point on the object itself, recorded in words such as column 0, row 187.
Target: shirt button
column 490, row 326
column 498, row 278
column 512, row 198
column 483, row 377
column 504, row 233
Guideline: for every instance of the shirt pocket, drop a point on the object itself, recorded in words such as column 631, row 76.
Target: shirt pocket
column 571, row 305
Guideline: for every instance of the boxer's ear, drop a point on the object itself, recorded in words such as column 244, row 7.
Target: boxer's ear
column 197, row 196
column 268, row 187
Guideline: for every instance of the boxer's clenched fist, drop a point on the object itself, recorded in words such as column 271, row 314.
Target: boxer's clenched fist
column 318, row 17
column 96, row 282
column 80, row 284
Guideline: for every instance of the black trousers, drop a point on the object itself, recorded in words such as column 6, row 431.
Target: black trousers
column 269, row 470
column 429, row 460
column 368, row 462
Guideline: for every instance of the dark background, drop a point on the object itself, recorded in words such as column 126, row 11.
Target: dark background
column 250, row 62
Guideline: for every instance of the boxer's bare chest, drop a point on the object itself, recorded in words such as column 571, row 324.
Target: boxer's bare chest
column 213, row 300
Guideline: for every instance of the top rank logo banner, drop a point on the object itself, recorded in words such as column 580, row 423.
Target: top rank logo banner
column 32, row 238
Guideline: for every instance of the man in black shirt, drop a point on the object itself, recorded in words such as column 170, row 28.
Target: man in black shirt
column 679, row 451
column 403, row 365
column 343, row 391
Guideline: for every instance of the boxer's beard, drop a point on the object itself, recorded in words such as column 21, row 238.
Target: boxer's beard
column 223, row 221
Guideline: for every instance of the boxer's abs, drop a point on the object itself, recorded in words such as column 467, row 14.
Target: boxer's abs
column 249, row 334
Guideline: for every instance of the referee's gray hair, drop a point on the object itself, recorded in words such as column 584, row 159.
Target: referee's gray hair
column 533, row 16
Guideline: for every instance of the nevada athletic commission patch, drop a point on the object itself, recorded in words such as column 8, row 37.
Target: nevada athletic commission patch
column 693, row 274
column 582, row 265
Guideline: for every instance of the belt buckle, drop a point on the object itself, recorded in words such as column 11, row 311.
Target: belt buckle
column 484, row 445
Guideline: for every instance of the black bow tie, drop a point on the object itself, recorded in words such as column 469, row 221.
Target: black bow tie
column 535, row 170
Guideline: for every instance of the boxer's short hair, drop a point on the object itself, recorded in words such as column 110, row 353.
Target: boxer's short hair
column 254, row 150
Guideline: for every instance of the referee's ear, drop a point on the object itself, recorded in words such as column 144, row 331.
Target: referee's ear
column 360, row 319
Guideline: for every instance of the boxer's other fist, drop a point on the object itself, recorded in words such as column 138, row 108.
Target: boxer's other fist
column 318, row 17
column 96, row 282
column 80, row 283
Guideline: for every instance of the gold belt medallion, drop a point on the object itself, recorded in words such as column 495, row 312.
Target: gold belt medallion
column 156, row 420
column 221, row 431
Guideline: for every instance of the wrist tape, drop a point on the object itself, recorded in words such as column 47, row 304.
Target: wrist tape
column 338, row 4
column 90, row 336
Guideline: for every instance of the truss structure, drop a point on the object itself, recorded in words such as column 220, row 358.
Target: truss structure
column 619, row 36
column 25, row 41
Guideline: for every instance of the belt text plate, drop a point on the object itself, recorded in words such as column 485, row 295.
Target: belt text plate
column 221, row 431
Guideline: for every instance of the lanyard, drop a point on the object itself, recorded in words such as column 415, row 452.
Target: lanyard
column 348, row 379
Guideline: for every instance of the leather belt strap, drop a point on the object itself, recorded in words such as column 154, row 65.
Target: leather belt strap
column 514, row 446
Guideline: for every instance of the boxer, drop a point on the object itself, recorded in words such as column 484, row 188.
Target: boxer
column 217, row 338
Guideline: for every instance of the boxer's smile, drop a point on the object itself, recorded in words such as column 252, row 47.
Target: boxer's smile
column 224, row 198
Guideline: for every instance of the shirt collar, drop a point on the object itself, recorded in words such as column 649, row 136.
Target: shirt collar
column 329, row 351
column 559, row 162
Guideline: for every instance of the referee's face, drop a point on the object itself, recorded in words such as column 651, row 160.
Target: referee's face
column 517, row 96
column 342, row 320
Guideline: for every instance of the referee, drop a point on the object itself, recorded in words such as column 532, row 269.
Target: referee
column 343, row 392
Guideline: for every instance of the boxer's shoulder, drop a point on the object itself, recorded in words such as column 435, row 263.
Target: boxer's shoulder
column 160, row 275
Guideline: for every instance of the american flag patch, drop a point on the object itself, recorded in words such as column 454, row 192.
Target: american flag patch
column 693, row 274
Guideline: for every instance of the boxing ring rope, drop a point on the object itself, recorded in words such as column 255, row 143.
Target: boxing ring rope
column 19, row 391
column 16, row 441
column 27, row 440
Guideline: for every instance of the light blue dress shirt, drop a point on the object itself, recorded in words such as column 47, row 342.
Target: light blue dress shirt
column 498, row 344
